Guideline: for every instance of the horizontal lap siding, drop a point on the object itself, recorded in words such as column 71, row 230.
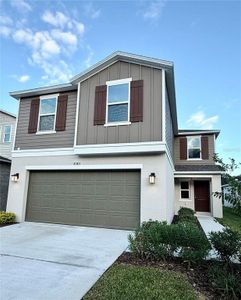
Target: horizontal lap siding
column 148, row 130
column 60, row 139
column 209, row 161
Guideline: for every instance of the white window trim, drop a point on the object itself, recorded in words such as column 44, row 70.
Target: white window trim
column 194, row 136
column 189, row 191
column 39, row 132
column 117, row 82
column 3, row 134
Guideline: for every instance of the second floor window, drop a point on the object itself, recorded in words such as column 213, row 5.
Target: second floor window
column 118, row 99
column 47, row 114
column 194, row 147
column 7, row 134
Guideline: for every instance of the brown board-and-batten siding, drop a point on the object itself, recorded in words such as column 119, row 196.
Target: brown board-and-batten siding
column 208, row 151
column 148, row 130
column 60, row 139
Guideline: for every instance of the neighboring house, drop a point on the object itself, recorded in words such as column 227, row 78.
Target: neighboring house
column 7, row 130
column 105, row 150
column 226, row 191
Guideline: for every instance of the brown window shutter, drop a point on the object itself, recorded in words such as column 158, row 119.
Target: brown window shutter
column 100, row 105
column 136, row 109
column 204, row 147
column 183, row 148
column 61, row 113
column 33, row 117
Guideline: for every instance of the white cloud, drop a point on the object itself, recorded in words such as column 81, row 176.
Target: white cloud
column 153, row 10
column 23, row 78
column 199, row 120
column 58, row 20
column 62, row 21
column 6, row 20
column 21, row 5
column 79, row 27
column 65, row 37
column 5, row 31
column 49, row 48
column 91, row 11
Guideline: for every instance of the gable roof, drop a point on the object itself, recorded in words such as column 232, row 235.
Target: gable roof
column 7, row 113
column 168, row 66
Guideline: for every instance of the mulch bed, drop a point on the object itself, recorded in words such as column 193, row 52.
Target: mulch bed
column 8, row 224
column 197, row 276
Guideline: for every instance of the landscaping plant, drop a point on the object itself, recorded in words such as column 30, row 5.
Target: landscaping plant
column 234, row 185
column 158, row 240
column 227, row 243
column 7, row 217
column 227, row 282
column 186, row 215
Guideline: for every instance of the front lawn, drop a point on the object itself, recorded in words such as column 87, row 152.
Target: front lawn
column 124, row 281
column 231, row 219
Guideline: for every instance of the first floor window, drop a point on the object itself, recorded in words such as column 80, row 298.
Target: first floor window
column 7, row 134
column 185, row 190
column 194, row 147
column 47, row 114
column 118, row 95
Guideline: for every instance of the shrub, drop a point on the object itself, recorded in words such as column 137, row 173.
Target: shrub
column 184, row 211
column 7, row 217
column 186, row 215
column 157, row 240
column 226, row 243
column 226, row 282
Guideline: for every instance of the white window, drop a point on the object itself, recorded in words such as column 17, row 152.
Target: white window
column 185, row 192
column 194, row 147
column 7, row 134
column 118, row 102
column 47, row 114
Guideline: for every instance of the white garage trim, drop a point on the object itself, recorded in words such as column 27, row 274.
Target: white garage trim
column 87, row 167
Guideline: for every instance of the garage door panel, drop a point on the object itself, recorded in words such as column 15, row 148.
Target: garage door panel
column 89, row 198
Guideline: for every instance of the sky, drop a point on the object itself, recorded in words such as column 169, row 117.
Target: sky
column 47, row 42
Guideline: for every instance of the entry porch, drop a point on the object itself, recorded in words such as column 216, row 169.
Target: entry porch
column 197, row 192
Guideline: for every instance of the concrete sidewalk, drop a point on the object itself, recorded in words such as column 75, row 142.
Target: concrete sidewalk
column 47, row 261
column 209, row 224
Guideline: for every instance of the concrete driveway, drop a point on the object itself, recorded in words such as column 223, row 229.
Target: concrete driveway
column 48, row 261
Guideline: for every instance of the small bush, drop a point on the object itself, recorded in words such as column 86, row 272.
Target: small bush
column 226, row 243
column 186, row 215
column 157, row 240
column 184, row 211
column 7, row 217
column 226, row 282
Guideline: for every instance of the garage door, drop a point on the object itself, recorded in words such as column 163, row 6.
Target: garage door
column 90, row 198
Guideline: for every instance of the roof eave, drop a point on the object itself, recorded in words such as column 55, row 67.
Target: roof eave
column 197, row 132
column 43, row 90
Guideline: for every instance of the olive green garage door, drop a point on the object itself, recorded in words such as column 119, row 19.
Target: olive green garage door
column 108, row 199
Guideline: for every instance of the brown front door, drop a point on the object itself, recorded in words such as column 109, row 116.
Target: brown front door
column 202, row 195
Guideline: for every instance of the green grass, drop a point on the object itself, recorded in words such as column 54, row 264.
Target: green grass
column 231, row 219
column 126, row 282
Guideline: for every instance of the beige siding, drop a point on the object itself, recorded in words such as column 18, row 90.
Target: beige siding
column 60, row 139
column 148, row 130
column 6, row 148
column 210, row 161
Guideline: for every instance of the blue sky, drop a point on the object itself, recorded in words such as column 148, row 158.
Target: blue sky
column 47, row 42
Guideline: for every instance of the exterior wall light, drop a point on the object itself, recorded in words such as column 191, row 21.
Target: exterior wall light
column 15, row 177
column 152, row 178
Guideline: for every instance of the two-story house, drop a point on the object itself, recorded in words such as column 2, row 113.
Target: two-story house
column 7, row 131
column 105, row 150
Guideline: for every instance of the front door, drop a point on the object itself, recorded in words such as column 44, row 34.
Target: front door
column 202, row 195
